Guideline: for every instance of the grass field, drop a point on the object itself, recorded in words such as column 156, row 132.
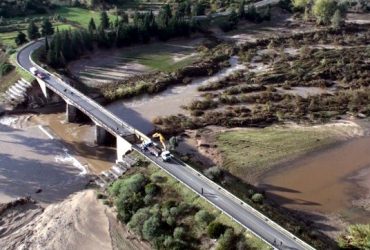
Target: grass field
column 159, row 57
column 249, row 152
column 8, row 38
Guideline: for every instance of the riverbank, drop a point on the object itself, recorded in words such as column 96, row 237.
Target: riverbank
column 319, row 173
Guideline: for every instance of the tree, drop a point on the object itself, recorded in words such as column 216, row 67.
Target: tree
column 241, row 11
column 300, row 4
column 20, row 38
column 46, row 44
column 257, row 198
column 179, row 233
column 104, row 20
column 227, row 240
column 152, row 228
column 92, row 26
column 47, row 28
column 203, row 217
column 337, row 20
column 33, row 31
column 324, row 10
column 137, row 220
column 215, row 229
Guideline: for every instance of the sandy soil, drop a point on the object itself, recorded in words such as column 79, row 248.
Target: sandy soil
column 79, row 222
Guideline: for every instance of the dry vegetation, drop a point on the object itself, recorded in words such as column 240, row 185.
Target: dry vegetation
column 334, row 61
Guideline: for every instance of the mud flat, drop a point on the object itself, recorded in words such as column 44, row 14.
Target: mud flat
column 333, row 182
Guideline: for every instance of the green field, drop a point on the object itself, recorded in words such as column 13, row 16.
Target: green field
column 80, row 16
column 8, row 38
column 249, row 152
column 159, row 57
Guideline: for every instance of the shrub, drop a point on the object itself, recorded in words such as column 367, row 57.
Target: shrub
column 355, row 237
column 136, row 222
column 214, row 173
column 133, row 184
column 215, row 229
column 227, row 240
column 203, row 217
column 5, row 68
column 151, row 189
column 179, row 233
column 257, row 198
column 152, row 228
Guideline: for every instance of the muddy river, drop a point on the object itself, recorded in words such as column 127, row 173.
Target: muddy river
column 140, row 111
column 331, row 181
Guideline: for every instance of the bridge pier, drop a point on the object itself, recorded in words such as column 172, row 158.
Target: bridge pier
column 71, row 113
column 123, row 147
column 100, row 135
column 44, row 89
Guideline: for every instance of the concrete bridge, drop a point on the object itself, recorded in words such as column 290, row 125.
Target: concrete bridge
column 127, row 138
column 106, row 123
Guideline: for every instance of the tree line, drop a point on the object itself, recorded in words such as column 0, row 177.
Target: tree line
column 68, row 45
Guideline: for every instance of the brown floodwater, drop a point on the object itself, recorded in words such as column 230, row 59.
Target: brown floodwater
column 325, row 182
column 79, row 138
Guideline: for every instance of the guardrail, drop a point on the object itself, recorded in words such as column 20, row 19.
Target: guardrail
column 238, row 200
column 195, row 172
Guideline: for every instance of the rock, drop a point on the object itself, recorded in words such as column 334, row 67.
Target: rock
column 39, row 190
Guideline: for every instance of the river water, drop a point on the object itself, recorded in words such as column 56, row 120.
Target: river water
column 335, row 180
column 140, row 111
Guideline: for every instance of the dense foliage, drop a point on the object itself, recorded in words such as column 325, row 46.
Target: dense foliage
column 154, row 210
column 10, row 8
column 69, row 45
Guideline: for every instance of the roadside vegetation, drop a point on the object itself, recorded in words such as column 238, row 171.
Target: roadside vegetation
column 355, row 237
column 163, row 212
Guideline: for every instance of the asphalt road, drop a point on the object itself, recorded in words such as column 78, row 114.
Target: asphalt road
column 244, row 214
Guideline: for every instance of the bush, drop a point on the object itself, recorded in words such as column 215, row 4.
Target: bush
column 227, row 240
column 133, row 184
column 5, row 68
column 151, row 189
column 215, row 229
column 355, row 237
column 257, row 198
column 214, row 173
column 203, row 217
column 136, row 222
column 152, row 228
column 179, row 233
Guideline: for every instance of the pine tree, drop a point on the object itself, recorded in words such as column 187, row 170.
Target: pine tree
column 33, row 31
column 20, row 38
column 92, row 26
column 104, row 20
column 46, row 44
column 241, row 11
column 46, row 28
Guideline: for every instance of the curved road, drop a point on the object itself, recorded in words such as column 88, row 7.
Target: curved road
column 242, row 213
